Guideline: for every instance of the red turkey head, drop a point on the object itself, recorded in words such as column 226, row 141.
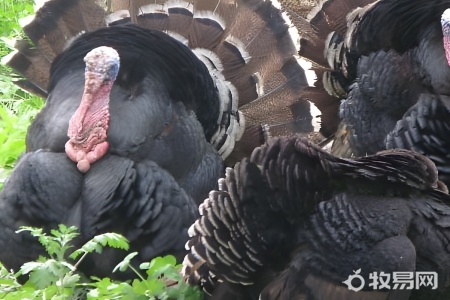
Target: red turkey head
column 445, row 22
column 88, row 126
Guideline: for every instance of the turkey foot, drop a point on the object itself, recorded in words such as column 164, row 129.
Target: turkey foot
column 88, row 126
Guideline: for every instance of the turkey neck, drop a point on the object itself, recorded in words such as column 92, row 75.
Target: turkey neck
column 91, row 119
column 445, row 23
column 87, row 127
column 94, row 107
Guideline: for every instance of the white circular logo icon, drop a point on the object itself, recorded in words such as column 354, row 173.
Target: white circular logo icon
column 349, row 281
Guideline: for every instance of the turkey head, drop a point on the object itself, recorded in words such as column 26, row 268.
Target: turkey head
column 445, row 22
column 87, row 127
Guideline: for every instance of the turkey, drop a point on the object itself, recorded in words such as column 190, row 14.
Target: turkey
column 140, row 200
column 386, row 59
column 425, row 128
column 294, row 222
column 253, row 78
column 145, row 103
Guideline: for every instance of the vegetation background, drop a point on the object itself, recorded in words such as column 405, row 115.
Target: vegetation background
column 55, row 276
column 17, row 108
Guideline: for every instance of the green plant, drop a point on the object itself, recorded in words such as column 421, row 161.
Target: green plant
column 163, row 281
column 11, row 12
column 54, row 277
column 17, row 107
column 14, row 122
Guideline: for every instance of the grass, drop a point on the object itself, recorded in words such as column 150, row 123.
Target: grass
column 17, row 107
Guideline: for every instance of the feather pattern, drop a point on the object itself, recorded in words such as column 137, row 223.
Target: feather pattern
column 254, row 70
column 382, row 59
column 394, row 71
column 424, row 129
column 183, row 85
column 140, row 200
column 317, row 22
column 271, row 224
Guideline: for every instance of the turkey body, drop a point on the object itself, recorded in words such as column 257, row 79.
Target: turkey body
column 191, row 91
column 392, row 64
column 141, row 200
column 294, row 222
column 387, row 61
column 165, row 122
column 154, row 130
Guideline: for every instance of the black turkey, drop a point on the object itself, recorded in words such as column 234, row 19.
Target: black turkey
column 403, row 59
column 294, row 222
column 140, row 200
column 382, row 58
column 157, row 104
column 425, row 128
column 253, row 79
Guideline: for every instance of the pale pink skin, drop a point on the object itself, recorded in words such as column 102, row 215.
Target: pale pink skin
column 447, row 48
column 88, row 126
column 445, row 22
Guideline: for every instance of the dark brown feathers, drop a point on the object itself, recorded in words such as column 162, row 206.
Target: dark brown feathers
column 316, row 22
column 389, row 58
column 293, row 222
column 425, row 129
column 403, row 23
column 245, row 44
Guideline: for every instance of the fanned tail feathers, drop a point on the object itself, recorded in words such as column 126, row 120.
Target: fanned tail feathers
column 322, row 25
column 246, row 223
column 245, row 44
column 222, row 237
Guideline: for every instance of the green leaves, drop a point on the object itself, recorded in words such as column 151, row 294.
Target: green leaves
column 57, row 243
column 106, row 289
column 43, row 274
column 13, row 128
column 163, row 282
column 113, row 240
column 56, row 278
column 125, row 264
column 11, row 12
column 17, row 107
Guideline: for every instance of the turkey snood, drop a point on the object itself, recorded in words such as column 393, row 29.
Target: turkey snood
column 88, row 126
column 445, row 22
